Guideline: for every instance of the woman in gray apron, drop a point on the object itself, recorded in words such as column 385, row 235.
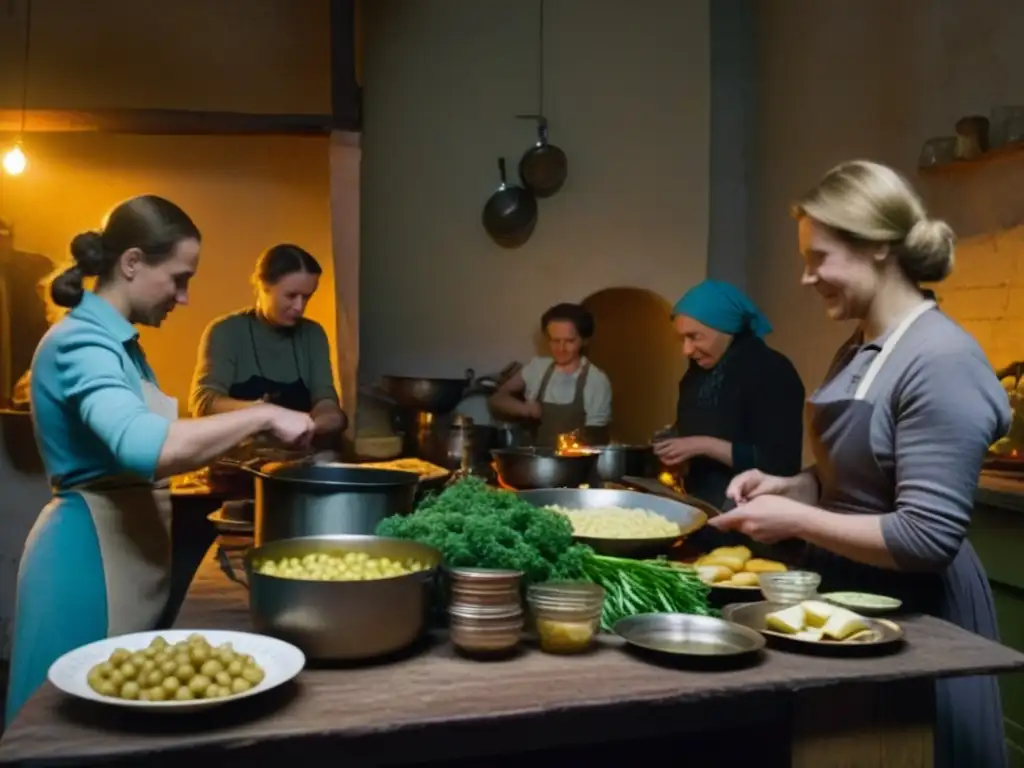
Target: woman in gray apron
column 564, row 393
column 272, row 353
column 900, row 428
column 97, row 561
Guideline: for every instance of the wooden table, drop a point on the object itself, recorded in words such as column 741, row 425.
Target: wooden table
column 607, row 708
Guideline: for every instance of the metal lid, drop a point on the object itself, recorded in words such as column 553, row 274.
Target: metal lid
column 484, row 574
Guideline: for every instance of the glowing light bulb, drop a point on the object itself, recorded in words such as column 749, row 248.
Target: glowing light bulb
column 14, row 161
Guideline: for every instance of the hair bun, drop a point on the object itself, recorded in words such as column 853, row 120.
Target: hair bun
column 89, row 254
column 928, row 251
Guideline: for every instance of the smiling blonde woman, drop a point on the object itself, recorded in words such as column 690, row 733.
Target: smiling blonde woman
column 900, row 427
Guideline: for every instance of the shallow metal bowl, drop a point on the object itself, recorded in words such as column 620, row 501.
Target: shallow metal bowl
column 689, row 518
column 680, row 634
column 342, row 620
column 526, row 468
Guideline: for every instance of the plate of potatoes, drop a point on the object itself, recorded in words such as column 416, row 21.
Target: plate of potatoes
column 176, row 670
column 734, row 568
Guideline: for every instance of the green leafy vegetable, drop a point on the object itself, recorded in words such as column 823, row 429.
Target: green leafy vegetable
column 476, row 526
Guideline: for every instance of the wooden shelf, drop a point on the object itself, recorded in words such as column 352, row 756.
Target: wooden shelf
column 992, row 155
column 168, row 122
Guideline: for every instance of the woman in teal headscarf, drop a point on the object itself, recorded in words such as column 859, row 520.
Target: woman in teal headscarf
column 740, row 401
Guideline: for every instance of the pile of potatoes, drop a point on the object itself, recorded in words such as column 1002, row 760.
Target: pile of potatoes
column 734, row 567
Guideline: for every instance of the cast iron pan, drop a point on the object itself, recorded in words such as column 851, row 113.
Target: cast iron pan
column 510, row 214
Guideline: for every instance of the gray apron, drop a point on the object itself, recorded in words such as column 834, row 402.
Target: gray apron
column 133, row 525
column 562, row 418
column 969, row 729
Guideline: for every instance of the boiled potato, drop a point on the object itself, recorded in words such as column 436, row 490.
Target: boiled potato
column 818, row 621
column 733, row 563
column 191, row 669
column 350, row 566
column 760, row 565
column 744, row 579
column 713, row 573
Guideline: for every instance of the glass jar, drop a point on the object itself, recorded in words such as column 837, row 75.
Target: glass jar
column 566, row 615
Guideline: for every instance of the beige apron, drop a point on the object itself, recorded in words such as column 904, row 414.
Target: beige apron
column 133, row 524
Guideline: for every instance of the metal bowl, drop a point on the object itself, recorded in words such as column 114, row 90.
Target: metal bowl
column 689, row 518
column 680, row 634
column 342, row 620
column 528, row 468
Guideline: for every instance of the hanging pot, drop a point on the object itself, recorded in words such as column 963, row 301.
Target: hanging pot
column 510, row 214
column 544, row 167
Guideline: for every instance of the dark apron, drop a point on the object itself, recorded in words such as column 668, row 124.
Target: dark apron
column 969, row 726
column 562, row 418
column 294, row 395
column 706, row 478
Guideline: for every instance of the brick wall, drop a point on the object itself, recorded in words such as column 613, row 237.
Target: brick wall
column 985, row 293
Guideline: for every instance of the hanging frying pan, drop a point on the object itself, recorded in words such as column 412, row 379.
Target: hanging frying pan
column 543, row 167
column 510, row 214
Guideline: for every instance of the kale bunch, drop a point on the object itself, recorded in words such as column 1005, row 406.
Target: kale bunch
column 476, row 526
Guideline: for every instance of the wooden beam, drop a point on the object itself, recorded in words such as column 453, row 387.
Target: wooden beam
column 346, row 94
column 167, row 122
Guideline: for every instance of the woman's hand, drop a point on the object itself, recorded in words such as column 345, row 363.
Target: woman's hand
column 768, row 518
column 679, row 450
column 753, row 483
column 293, row 429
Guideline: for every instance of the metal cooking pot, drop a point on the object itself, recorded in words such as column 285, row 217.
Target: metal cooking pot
column 342, row 620
column 526, row 468
column 510, row 214
column 617, row 461
column 427, row 395
column 300, row 499
column 445, row 445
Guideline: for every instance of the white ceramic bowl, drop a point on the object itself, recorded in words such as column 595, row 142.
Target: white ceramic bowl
column 279, row 660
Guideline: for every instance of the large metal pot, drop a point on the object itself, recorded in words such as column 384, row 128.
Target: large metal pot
column 445, row 444
column 617, row 461
column 342, row 620
column 294, row 500
column 427, row 395
column 526, row 468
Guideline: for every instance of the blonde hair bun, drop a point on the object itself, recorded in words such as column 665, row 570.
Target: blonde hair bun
column 928, row 251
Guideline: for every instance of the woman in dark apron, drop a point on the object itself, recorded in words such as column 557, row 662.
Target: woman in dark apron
column 900, row 428
column 97, row 562
column 564, row 393
column 740, row 402
column 272, row 353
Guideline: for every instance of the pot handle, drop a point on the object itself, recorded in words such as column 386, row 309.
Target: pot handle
column 228, row 569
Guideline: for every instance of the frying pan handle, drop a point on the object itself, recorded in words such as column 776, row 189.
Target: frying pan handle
column 502, row 172
column 542, row 126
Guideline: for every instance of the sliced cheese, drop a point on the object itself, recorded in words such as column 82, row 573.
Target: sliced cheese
column 817, row 612
column 843, row 624
column 788, row 621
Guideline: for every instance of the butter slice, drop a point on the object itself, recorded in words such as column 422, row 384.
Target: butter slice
column 817, row 612
column 788, row 621
column 843, row 624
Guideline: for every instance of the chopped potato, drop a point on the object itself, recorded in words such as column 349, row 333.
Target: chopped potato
column 819, row 622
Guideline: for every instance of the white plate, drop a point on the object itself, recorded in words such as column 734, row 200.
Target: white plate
column 280, row 661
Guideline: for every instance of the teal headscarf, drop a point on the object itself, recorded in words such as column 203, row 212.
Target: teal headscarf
column 723, row 307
